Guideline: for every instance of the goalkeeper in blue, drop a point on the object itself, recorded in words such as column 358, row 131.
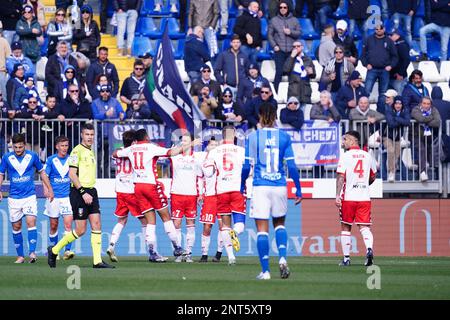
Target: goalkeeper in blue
column 266, row 150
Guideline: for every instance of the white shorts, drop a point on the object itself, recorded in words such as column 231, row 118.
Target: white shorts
column 59, row 206
column 20, row 207
column 267, row 201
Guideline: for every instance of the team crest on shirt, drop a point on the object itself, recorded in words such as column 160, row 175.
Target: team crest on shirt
column 20, row 167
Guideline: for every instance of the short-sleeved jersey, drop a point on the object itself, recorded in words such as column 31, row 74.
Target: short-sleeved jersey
column 209, row 174
column 266, row 149
column 124, row 176
column 21, row 173
column 357, row 166
column 57, row 170
column 185, row 172
column 83, row 158
column 229, row 160
column 143, row 157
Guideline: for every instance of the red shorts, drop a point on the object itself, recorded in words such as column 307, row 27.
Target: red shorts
column 357, row 212
column 209, row 210
column 150, row 196
column 230, row 202
column 127, row 202
column 183, row 206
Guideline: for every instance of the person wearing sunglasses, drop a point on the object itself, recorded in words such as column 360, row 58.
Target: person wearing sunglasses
column 87, row 38
column 32, row 109
column 251, row 108
column 24, row 91
column 342, row 38
column 205, row 80
column 29, row 30
column 39, row 12
column 227, row 109
column 75, row 107
column 134, row 84
column 59, row 30
column 107, row 107
column 68, row 77
column 254, row 81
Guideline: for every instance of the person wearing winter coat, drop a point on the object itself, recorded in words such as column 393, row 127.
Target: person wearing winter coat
column 292, row 114
column 59, row 29
column 87, row 38
column 325, row 109
column 29, row 29
column 414, row 90
column 348, row 96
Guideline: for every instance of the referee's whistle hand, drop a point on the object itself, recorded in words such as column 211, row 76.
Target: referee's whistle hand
column 87, row 198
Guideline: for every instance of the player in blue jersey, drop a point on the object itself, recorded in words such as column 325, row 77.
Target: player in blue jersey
column 57, row 170
column 20, row 166
column 266, row 149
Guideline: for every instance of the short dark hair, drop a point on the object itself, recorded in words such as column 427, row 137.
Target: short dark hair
column 138, row 62
column 61, row 139
column 50, row 96
column 141, row 135
column 414, row 73
column 103, row 49
column 128, row 137
column 354, row 134
column 235, row 37
column 87, row 126
column 18, row 138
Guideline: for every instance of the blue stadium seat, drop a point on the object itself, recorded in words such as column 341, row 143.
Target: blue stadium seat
column 375, row 3
column 314, row 48
column 308, row 31
column 341, row 12
column 109, row 8
column 225, row 44
column 148, row 9
column 359, row 46
column 266, row 53
column 141, row 45
column 306, row 49
column 146, row 27
column 178, row 49
column 416, row 25
column 264, row 28
column 420, row 11
column 174, row 28
column 232, row 10
column 434, row 49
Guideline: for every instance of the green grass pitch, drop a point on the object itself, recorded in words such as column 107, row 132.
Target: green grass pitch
column 311, row 278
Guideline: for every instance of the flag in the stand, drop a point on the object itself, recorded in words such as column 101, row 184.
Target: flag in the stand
column 165, row 91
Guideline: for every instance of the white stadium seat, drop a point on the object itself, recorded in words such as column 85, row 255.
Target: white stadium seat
column 410, row 68
column 373, row 98
column 319, row 70
column 40, row 68
column 362, row 70
column 428, row 86
column 445, row 70
column 183, row 74
column 430, row 71
column 268, row 70
column 282, row 96
column 315, row 96
column 445, row 90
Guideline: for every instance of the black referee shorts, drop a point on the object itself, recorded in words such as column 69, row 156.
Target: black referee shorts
column 80, row 209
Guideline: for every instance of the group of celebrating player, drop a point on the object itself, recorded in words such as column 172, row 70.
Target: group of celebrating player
column 216, row 178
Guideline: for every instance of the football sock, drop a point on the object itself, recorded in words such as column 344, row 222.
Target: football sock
column 69, row 245
column 18, row 242
column 96, row 243
column 262, row 242
column 169, row 227
column 150, row 237
column 219, row 242
column 68, row 238
column 32, row 239
column 367, row 237
column 227, row 242
column 115, row 235
column 346, row 242
column 53, row 239
column 239, row 227
column 281, row 239
column 206, row 240
column 179, row 236
column 190, row 237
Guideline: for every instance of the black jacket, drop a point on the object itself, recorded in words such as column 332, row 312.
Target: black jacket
column 95, row 70
column 441, row 105
column 53, row 70
column 346, row 94
column 10, row 13
column 396, row 123
column 125, row 5
column 379, row 52
column 251, row 110
column 87, row 45
column 402, row 6
column 71, row 110
column 437, row 11
column 245, row 23
column 293, row 117
column 357, row 9
column 348, row 44
column 403, row 58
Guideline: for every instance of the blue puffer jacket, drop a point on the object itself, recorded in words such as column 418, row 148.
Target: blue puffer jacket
column 412, row 96
column 195, row 54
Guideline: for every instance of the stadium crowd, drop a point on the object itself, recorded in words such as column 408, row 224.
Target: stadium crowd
column 81, row 83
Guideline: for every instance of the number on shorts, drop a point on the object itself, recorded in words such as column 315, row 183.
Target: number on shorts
column 139, row 155
column 209, row 217
column 359, row 168
column 227, row 162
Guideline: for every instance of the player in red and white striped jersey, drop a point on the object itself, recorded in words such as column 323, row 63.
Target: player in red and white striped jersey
column 355, row 172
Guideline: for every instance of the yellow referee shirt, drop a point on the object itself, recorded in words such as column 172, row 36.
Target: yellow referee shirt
column 83, row 158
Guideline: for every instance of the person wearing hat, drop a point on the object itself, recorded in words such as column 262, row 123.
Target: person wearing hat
column 247, row 86
column 17, row 56
column 206, row 81
column 29, row 29
column 386, row 104
column 398, row 120
column 87, row 38
column 292, row 114
column 16, row 80
column 342, row 38
column 251, row 107
column 399, row 74
column 147, row 59
column 68, row 77
column 23, row 92
column 39, row 12
column 107, row 107
column 5, row 52
column 138, row 110
column 195, row 54
column 228, row 110
column 10, row 13
column 348, row 96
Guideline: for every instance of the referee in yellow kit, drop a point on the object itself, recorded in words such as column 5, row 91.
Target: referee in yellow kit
column 83, row 199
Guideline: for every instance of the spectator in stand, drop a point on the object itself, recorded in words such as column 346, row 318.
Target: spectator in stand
column 243, row 4
column 195, row 54
column 284, row 30
column 388, row 102
column 159, row 3
column 227, row 109
column 274, row 7
column 56, row 65
column 183, row 11
column 224, row 6
column 254, row 81
column 398, row 74
column 205, row 14
column 427, row 127
column 134, row 84
column 10, row 13
column 325, row 109
column 379, row 56
column 83, row 66
column 438, row 20
column 348, row 96
column 52, row 109
column 343, row 39
column 336, row 72
column 147, row 60
column 99, row 67
column 398, row 120
column 207, row 103
column 326, row 48
column 23, row 92
column 103, row 16
column 292, row 114
column 87, row 38
column 319, row 10
column 205, row 81
column 248, row 27
column 28, row 29
column 59, row 29
column 138, row 110
column 100, row 80
column 403, row 11
column 127, row 12
column 300, row 69
column 251, row 108
column 357, row 14
column 443, row 106
column 51, row 129
column 74, row 107
column 18, row 57
column 231, row 65
column 5, row 52
column 16, row 81
column 414, row 90
column 107, row 107
column 39, row 13
column 68, row 78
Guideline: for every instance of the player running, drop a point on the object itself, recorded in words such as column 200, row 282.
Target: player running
column 57, row 170
column 148, row 190
column 20, row 165
column 126, row 201
column 228, row 159
column 355, row 172
column 265, row 150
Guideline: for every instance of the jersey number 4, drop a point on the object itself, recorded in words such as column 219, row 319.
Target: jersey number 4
column 359, row 169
